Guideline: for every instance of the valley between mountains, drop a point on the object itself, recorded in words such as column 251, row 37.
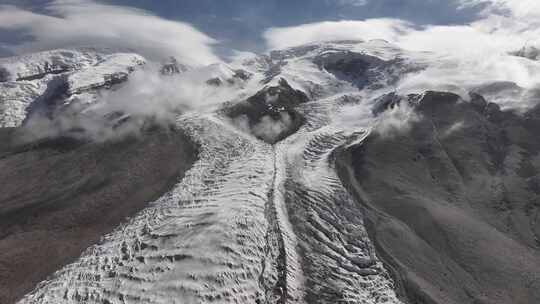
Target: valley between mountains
column 306, row 175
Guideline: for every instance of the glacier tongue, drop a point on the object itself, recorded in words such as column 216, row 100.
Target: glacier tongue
column 201, row 242
column 249, row 223
column 337, row 259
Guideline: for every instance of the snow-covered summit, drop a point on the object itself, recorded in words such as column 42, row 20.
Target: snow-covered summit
column 57, row 74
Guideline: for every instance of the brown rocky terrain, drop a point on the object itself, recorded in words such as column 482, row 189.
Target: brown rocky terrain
column 453, row 205
column 60, row 196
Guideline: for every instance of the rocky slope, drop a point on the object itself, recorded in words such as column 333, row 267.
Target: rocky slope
column 59, row 196
column 300, row 176
column 452, row 205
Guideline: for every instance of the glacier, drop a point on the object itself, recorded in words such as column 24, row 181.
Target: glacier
column 251, row 221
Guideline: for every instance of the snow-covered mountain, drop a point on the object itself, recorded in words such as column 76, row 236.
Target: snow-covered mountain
column 282, row 198
column 60, row 74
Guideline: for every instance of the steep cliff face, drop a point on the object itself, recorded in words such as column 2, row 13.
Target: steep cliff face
column 452, row 205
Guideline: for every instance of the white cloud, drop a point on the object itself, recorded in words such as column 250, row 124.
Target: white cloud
column 148, row 93
column 499, row 32
column 518, row 8
column 462, row 56
column 388, row 29
column 391, row 122
column 147, row 96
column 349, row 2
column 73, row 23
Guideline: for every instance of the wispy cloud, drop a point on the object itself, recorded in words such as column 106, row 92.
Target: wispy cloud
column 148, row 97
column 463, row 56
column 517, row 8
column 504, row 25
column 388, row 29
column 72, row 23
column 349, row 2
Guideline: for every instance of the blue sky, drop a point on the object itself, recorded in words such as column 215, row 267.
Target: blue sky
column 240, row 24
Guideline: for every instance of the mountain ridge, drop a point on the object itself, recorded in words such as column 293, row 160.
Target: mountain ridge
column 269, row 205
